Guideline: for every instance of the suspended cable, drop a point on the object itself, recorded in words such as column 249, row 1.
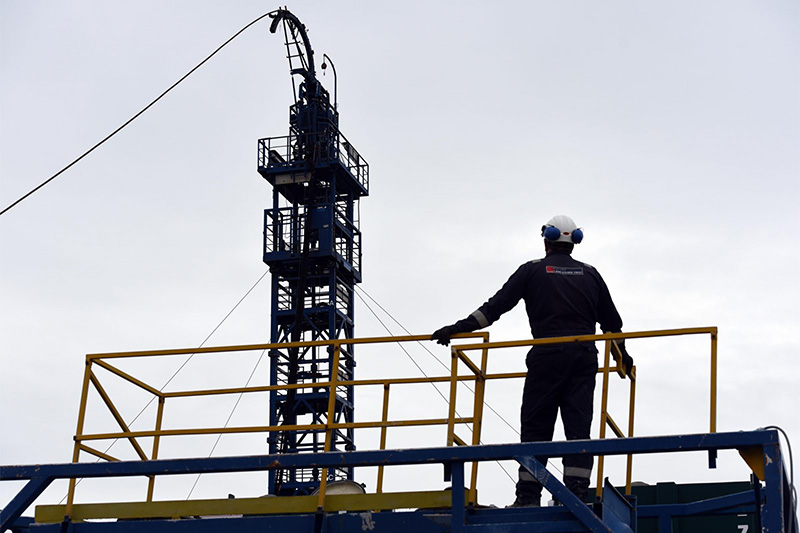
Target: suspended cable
column 200, row 346
column 134, row 117
column 417, row 365
column 437, row 359
column 403, row 348
column 183, row 365
column 260, row 357
column 445, row 367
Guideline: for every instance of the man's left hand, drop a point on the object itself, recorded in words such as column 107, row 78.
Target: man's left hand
column 627, row 360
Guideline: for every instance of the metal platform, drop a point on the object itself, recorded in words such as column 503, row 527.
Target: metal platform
column 437, row 511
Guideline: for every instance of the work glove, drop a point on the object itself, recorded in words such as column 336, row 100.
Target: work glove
column 442, row 335
column 627, row 360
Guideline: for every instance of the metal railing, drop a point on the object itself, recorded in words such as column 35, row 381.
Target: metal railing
column 284, row 231
column 105, row 361
column 283, row 153
column 459, row 354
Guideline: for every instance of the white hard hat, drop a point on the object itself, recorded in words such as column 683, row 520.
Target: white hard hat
column 561, row 228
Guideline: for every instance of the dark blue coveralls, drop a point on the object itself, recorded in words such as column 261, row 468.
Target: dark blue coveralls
column 563, row 297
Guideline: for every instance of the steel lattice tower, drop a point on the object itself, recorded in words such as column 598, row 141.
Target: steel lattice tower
column 312, row 245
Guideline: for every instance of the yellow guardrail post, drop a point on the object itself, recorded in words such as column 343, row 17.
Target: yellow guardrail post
column 76, row 452
column 451, row 412
column 477, row 424
column 631, row 405
column 329, row 424
column 384, row 419
column 713, row 414
column 156, row 441
column 603, row 415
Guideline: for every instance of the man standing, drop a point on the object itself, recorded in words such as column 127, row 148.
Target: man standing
column 563, row 297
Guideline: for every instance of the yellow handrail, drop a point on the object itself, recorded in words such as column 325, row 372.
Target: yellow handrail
column 91, row 380
column 611, row 349
column 459, row 354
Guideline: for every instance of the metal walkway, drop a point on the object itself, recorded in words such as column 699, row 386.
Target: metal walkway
column 436, row 512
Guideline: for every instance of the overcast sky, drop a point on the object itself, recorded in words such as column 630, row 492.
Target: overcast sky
column 670, row 131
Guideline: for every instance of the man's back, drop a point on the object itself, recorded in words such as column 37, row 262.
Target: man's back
column 562, row 297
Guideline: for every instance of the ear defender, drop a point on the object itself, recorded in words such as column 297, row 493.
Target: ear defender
column 552, row 233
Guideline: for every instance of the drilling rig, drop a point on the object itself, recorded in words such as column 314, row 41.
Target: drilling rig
column 312, row 244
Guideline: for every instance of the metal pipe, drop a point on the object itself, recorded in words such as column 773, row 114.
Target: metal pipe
column 76, row 452
column 451, row 412
column 334, row 371
column 384, row 418
column 603, row 416
column 713, row 428
column 631, row 405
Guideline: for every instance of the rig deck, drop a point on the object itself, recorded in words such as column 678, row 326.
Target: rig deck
column 435, row 511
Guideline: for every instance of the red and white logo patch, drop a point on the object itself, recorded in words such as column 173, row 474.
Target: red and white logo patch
column 564, row 271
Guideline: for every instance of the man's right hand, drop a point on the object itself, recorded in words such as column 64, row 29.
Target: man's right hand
column 442, row 335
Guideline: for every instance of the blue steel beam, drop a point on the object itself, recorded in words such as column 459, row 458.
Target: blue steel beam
column 491, row 452
column 458, row 518
column 731, row 503
column 617, row 512
column 24, row 498
column 774, row 519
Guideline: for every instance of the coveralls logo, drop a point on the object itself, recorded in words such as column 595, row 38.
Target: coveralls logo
column 565, row 271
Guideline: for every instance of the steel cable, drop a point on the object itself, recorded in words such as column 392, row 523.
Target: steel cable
column 246, row 294
column 235, row 405
column 417, row 365
column 134, row 117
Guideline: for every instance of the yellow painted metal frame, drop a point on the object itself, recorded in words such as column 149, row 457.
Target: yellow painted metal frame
column 102, row 360
column 245, row 506
column 611, row 350
column 477, row 373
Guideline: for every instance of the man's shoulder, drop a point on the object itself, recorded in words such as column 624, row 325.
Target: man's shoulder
column 531, row 265
column 529, row 268
column 567, row 260
column 587, row 267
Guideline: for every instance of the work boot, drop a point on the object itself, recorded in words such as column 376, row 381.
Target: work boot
column 524, row 502
column 582, row 496
column 529, row 491
column 578, row 486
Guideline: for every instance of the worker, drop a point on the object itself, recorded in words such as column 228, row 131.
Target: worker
column 563, row 297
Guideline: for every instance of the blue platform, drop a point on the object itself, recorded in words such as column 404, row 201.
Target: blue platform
column 768, row 500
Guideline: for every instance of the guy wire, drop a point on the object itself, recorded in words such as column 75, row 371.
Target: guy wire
column 417, row 365
column 246, row 294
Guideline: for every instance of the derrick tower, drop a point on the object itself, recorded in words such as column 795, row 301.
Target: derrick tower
column 312, row 245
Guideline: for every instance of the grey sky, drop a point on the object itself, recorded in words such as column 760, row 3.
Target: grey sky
column 669, row 130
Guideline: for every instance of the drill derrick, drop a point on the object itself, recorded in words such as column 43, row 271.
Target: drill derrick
column 312, row 244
